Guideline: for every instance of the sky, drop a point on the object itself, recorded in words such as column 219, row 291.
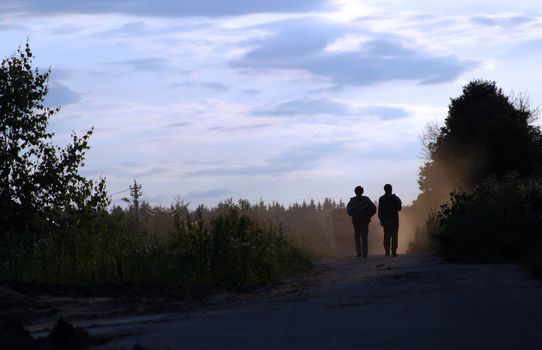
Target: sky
column 281, row 100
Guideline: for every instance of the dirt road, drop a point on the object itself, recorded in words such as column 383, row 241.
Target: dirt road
column 409, row 302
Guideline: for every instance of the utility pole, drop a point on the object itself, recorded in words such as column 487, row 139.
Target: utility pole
column 135, row 191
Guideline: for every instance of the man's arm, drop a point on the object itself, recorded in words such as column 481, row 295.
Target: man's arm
column 380, row 213
column 349, row 208
column 399, row 204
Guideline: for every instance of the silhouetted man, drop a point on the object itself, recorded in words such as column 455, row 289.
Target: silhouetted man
column 361, row 209
column 389, row 206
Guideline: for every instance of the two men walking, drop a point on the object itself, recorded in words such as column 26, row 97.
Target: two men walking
column 361, row 209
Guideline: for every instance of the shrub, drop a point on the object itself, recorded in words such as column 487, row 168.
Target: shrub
column 499, row 221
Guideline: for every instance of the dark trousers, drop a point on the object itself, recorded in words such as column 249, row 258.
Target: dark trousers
column 361, row 233
column 390, row 236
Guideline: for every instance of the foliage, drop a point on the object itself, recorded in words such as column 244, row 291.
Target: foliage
column 227, row 250
column 40, row 187
column 485, row 133
column 55, row 228
column 499, row 221
column 420, row 240
column 306, row 225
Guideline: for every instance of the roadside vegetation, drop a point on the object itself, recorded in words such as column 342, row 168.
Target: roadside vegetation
column 204, row 250
column 499, row 221
column 56, row 228
column 481, row 182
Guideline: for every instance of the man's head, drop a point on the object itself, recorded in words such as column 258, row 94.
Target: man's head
column 387, row 188
column 358, row 190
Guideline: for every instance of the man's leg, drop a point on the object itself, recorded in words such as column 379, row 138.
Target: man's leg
column 365, row 239
column 357, row 232
column 387, row 240
column 394, row 243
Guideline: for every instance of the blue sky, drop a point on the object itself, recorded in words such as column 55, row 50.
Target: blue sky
column 280, row 100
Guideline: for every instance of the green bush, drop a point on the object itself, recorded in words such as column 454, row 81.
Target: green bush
column 499, row 221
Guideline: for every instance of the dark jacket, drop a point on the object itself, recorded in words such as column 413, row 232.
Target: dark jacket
column 361, row 209
column 388, row 207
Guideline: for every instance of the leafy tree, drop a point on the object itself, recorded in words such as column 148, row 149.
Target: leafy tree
column 485, row 133
column 40, row 186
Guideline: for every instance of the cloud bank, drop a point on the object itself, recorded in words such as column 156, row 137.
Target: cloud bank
column 301, row 45
column 163, row 8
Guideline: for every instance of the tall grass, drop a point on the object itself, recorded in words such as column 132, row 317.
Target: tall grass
column 308, row 225
column 225, row 249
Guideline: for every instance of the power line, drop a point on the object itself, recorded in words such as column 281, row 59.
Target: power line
column 148, row 211
column 126, row 190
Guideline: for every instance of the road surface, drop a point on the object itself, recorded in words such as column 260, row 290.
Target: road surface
column 409, row 302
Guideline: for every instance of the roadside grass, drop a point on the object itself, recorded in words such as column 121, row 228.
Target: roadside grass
column 228, row 250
